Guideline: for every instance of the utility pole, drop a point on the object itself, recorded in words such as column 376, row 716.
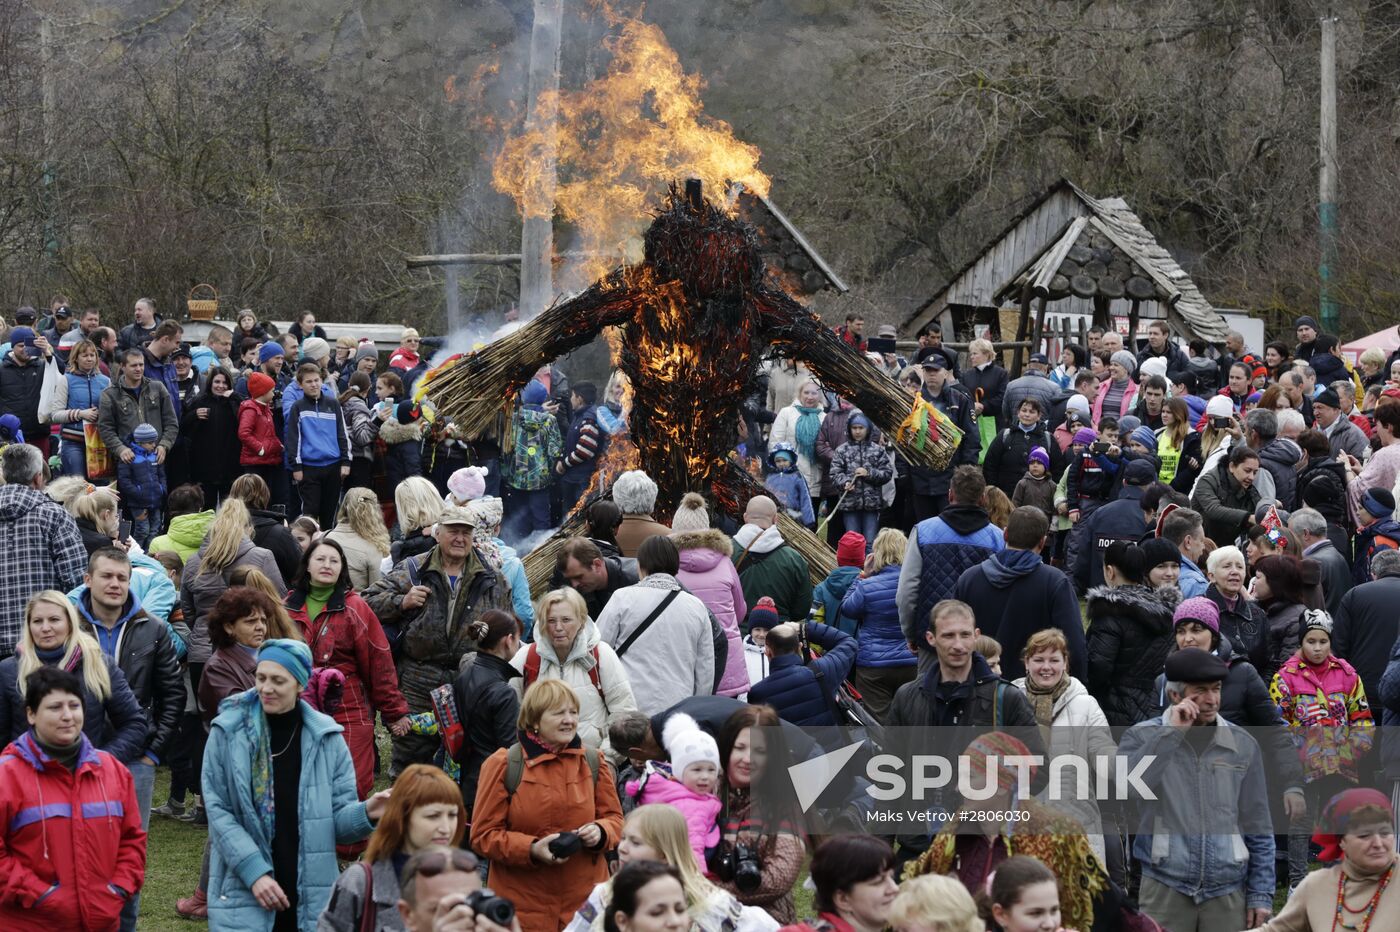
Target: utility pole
column 1327, row 176
column 542, row 116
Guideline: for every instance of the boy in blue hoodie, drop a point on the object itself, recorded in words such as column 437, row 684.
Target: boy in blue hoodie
column 141, row 483
column 787, row 486
column 827, row 596
column 318, row 446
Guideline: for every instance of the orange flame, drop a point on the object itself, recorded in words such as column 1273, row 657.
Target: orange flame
column 620, row 141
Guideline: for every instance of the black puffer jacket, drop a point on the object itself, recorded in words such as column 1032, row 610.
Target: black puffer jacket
column 270, row 533
column 1130, row 634
column 488, row 709
column 1280, row 456
column 1323, row 485
column 1285, row 634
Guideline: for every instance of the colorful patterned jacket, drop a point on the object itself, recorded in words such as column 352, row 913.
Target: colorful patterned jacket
column 1326, row 711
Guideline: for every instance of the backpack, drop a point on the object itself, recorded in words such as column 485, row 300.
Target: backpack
column 532, row 672
column 515, row 766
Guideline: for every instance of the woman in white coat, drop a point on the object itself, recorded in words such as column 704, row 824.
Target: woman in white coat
column 1061, row 700
column 567, row 647
column 797, row 424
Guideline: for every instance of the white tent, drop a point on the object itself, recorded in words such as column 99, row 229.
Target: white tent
column 1387, row 341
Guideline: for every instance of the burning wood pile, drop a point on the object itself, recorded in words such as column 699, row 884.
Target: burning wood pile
column 696, row 318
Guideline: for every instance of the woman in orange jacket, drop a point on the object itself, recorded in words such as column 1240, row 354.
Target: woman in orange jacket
column 546, row 812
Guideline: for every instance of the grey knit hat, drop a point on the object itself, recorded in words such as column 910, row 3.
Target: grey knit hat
column 1125, row 359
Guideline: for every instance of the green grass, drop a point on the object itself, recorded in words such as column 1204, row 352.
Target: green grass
column 173, row 853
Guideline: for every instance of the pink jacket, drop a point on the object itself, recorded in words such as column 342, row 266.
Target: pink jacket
column 701, row 813
column 708, row 572
column 1124, row 406
column 1325, row 709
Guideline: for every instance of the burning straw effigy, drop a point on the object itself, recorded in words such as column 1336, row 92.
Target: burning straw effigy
column 696, row 319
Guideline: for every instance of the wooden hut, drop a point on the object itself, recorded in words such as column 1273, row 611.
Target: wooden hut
column 1092, row 257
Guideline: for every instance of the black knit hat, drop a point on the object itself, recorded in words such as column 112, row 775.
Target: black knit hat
column 1193, row 665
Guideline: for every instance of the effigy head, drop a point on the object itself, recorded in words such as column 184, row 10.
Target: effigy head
column 710, row 253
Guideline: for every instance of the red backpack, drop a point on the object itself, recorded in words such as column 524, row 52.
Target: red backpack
column 532, row 672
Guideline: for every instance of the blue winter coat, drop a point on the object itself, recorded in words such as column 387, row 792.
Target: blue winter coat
column 142, row 481
column 829, row 593
column 1389, row 702
column 790, row 491
column 793, row 688
column 872, row 603
column 117, row 726
column 330, row 814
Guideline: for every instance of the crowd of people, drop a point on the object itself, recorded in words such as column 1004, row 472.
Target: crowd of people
column 253, row 560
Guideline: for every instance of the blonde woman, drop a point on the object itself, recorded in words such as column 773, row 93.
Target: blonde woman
column 568, row 647
column 934, row 904
column 98, row 519
column 883, row 659
column 51, row 637
column 657, row 833
column 797, row 424
column 361, row 534
column 418, row 504
column 228, row 544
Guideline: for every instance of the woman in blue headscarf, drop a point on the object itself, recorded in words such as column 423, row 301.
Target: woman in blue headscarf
column 279, row 786
column 797, row 424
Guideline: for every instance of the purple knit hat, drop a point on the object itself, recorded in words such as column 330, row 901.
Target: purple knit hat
column 1199, row 609
column 1038, row 455
column 1085, row 435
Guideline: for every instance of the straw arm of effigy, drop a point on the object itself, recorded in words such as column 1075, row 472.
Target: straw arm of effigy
column 799, row 334
column 471, row 388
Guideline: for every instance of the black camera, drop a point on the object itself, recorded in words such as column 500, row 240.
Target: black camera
column 566, row 845
column 739, row 865
column 497, row 909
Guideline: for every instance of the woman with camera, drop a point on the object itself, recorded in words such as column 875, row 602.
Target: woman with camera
column 657, row 833
column 760, row 853
column 425, row 810
column 546, row 811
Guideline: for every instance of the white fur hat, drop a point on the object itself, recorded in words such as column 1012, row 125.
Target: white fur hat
column 687, row 744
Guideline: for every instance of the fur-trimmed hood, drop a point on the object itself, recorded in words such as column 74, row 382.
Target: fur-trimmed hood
column 708, row 539
column 1150, row 608
column 393, row 431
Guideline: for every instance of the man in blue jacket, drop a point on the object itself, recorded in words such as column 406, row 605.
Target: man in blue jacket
column 1014, row 594
column 804, row 694
column 318, row 447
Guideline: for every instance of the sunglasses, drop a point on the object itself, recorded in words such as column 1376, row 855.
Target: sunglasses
column 435, row 862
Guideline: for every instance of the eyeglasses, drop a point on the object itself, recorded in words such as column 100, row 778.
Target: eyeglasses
column 432, row 863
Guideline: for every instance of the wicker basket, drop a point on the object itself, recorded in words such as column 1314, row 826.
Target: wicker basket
column 203, row 302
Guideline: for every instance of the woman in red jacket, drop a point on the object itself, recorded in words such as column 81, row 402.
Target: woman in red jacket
column 260, row 449
column 344, row 633
column 74, row 851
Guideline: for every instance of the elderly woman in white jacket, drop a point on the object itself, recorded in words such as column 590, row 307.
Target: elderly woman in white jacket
column 567, row 647
column 1061, row 700
column 797, row 424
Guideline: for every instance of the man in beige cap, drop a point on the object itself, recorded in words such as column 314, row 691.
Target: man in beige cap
column 427, row 603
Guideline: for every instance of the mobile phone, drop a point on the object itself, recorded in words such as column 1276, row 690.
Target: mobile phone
column 882, row 345
column 279, row 510
column 1222, row 423
column 123, row 530
column 1099, row 446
